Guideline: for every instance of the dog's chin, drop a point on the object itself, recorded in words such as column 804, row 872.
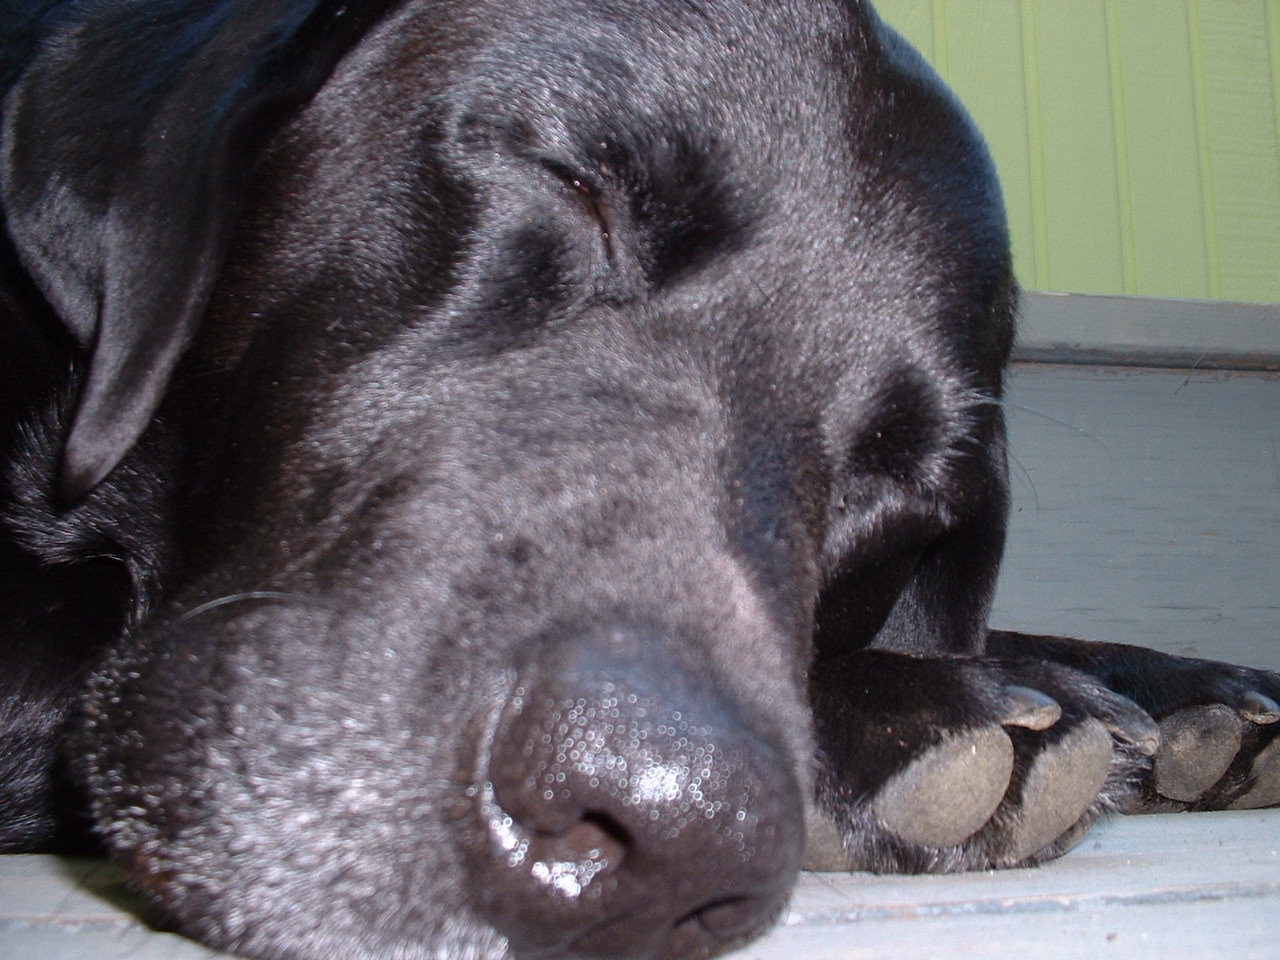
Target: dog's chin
column 267, row 809
column 600, row 796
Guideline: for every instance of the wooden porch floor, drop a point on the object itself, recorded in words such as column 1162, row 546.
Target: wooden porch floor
column 1147, row 511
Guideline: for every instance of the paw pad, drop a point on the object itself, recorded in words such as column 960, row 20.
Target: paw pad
column 1197, row 746
column 949, row 791
column 1063, row 781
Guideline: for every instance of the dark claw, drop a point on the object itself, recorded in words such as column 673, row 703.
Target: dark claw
column 1259, row 708
column 1030, row 708
column 1131, row 725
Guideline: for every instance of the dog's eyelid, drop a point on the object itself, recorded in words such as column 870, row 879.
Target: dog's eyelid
column 588, row 191
column 580, row 182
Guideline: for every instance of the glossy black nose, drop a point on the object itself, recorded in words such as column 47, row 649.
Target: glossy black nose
column 630, row 810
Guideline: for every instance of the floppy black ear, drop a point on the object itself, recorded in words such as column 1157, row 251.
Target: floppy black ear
column 127, row 141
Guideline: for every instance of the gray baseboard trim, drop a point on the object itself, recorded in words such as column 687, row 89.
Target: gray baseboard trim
column 1148, row 331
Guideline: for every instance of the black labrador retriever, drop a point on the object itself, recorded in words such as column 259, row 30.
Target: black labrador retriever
column 519, row 479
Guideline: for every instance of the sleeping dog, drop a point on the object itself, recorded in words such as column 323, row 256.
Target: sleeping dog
column 520, row 479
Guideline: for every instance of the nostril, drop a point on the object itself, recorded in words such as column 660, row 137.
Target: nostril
column 571, row 861
column 596, row 838
column 567, row 859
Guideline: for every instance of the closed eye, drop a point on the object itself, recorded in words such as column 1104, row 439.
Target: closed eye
column 589, row 195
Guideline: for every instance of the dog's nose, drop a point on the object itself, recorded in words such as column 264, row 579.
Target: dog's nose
column 629, row 809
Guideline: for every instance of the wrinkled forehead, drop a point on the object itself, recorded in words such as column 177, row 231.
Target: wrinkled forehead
column 752, row 72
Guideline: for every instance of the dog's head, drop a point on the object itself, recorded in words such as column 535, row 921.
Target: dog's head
column 538, row 366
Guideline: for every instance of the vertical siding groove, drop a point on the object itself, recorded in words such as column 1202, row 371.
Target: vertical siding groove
column 1213, row 250
column 1273, row 47
column 1124, row 165
column 941, row 59
column 1035, row 148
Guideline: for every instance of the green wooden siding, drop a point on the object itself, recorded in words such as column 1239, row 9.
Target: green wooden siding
column 1138, row 141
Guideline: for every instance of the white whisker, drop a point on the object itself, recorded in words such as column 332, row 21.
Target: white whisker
column 237, row 597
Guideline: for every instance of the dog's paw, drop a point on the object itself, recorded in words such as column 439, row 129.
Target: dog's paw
column 970, row 764
column 1219, row 723
column 1010, row 790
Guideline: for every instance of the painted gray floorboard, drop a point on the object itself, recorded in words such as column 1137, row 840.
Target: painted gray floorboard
column 1172, row 887
column 1146, row 510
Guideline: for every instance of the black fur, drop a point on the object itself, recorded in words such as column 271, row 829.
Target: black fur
column 487, row 479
